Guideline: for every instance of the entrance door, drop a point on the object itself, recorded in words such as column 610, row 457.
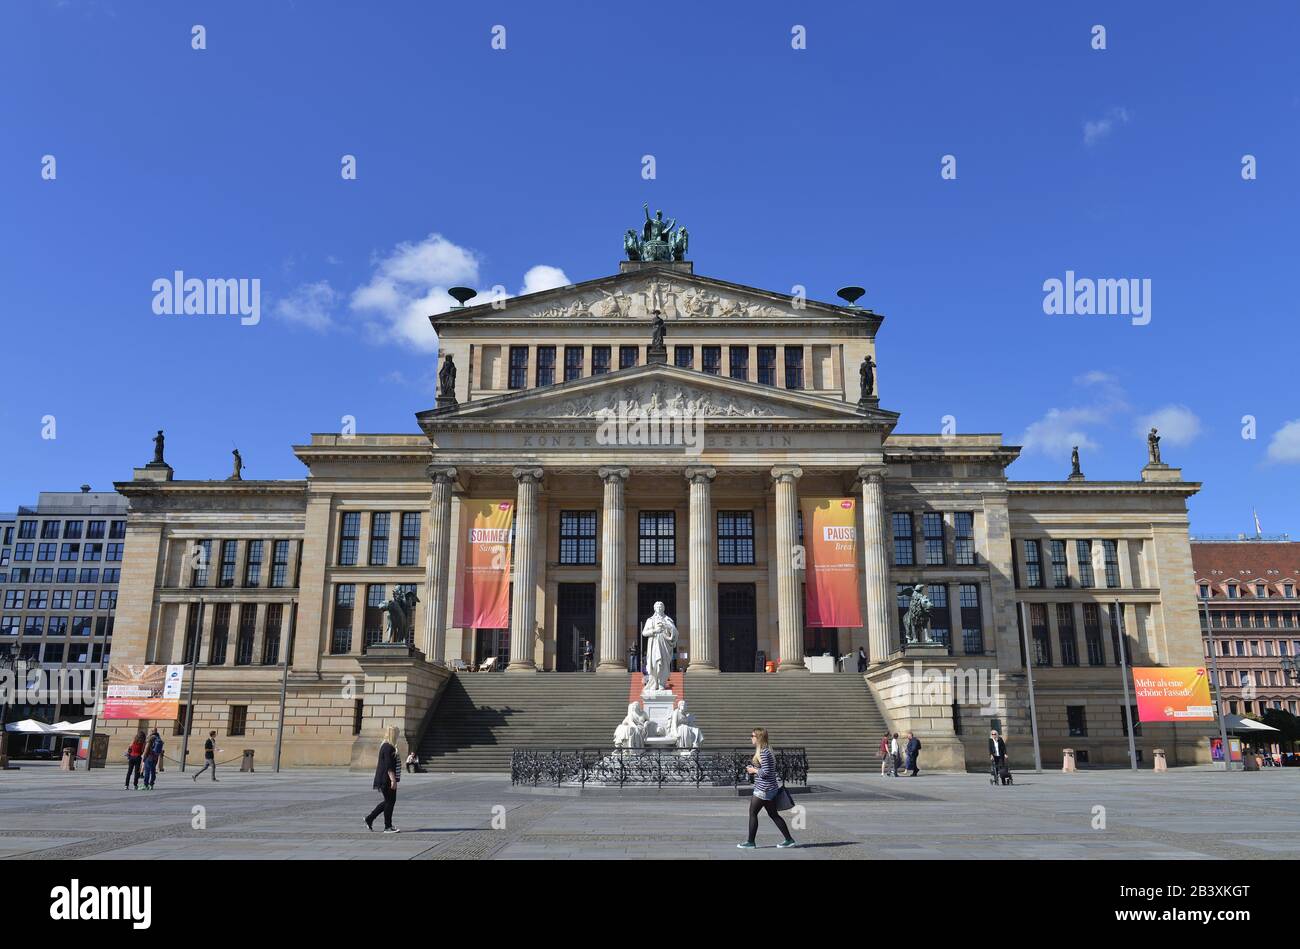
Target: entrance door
column 737, row 628
column 647, row 595
column 575, row 625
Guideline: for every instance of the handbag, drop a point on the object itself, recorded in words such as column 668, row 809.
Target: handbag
column 783, row 800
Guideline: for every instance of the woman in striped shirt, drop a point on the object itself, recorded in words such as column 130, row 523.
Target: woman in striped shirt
column 766, row 787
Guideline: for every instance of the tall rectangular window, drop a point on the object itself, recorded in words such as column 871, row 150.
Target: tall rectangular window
column 972, row 619
column 518, row 377
column 628, row 356
column 545, row 365
column 238, row 721
column 349, row 538
column 379, row 524
column 684, row 357
column 1084, row 550
column 657, row 537
column 574, row 360
column 200, row 558
column 253, row 567
column 247, row 629
column 117, row 530
column 1092, row 634
column 1060, row 568
column 904, row 550
column 271, row 637
column 932, row 529
column 711, row 359
column 739, row 356
column 1076, row 719
column 345, row 598
column 767, row 365
column 963, row 538
column 1041, row 634
column 1065, row 633
column 794, row 367
column 577, row 537
column 735, row 537
column 192, row 617
column 1033, row 564
column 229, row 555
column 1112, row 562
column 408, row 554
column 940, row 616
column 280, row 564
column 375, row 595
column 220, row 634
column 599, row 360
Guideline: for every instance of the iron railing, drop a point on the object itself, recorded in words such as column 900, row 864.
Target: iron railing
column 648, row 767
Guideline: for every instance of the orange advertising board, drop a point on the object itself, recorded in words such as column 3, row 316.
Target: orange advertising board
column 1173, row 694
column 830, row 531
column 483, row 587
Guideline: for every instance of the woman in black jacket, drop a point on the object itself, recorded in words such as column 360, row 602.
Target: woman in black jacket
column 388, row 772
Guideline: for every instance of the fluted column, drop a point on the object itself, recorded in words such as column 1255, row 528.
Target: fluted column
column 437, row 581
column 876, row 563
column 613, row 572
column 703, row 631
column 524, row 604
column 789, row 612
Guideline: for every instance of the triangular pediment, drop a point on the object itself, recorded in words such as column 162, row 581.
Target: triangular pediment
column 658, row 389
column 636, row 296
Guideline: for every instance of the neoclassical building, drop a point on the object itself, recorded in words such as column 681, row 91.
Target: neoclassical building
column 655, row 430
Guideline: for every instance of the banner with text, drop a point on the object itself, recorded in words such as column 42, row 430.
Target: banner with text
column 1175, row 694
column 830, row 533
column 142, row 691
column 483, row 588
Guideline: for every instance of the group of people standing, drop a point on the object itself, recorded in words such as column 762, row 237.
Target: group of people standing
column 144, row 759
column 892, row 755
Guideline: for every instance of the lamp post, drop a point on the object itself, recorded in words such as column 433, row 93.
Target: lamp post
column 8, row 663
column 1218, row 699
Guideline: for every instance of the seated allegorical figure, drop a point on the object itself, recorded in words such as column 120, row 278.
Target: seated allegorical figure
column 634, row 729
column 681, row 725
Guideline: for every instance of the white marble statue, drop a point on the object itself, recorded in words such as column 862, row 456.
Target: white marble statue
column 660, row 634
column 632, row 731
column 681, row 725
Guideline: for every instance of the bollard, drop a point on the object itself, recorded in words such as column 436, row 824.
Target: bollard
column 65, row 761
column 1159, row 754
column 247, row 763
column 1067, row 764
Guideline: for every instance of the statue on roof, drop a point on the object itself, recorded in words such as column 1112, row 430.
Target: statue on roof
column 659, row 240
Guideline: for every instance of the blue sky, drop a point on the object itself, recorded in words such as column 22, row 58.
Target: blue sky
column 818, row 167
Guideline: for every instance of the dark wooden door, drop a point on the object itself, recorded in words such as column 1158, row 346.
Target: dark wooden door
column 737, row 628
column 575, row 624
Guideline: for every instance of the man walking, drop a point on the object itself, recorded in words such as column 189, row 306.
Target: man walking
column 210, row 750
column 913, row 754
column 997, row 755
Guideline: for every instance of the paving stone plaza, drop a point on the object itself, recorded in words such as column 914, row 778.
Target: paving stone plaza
column 1185, row 814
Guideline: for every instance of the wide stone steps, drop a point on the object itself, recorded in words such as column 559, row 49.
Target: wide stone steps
column 483, row 716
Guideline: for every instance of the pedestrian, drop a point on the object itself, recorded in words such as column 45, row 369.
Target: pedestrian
column 387, row 774
column 997, row 755
column 884, row 754
column 153, row 753
column 133, row 757
column 862, row 660
column 586, row 655
column 210, row 750
column 769, row 795
column 894, row 758
column 913, row 753
column 412, row 765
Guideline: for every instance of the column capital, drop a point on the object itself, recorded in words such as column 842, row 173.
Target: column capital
column 610, row 473
column 701, row 474
column 786, row 473
column 872, row 474
column 526, row 475
column 441, row 474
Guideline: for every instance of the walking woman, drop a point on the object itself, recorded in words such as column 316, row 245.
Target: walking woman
column 387, row 773
column 767, row 791
column 884, row 755
column 133, row 756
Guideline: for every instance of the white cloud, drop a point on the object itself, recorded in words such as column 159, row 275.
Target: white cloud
column 309, row 305
column 1095, row 130
column 1178, row 424
column 1060, row 429
column 543, row 277
column 1284, row 446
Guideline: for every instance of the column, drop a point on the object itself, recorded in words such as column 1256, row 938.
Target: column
column 789, row 616
column 703, row 630
column 613, row 572
column 524, row 603
column 876, row 563
column 437, row 578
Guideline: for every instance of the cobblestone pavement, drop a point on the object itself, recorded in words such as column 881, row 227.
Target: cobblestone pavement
column 317, row 814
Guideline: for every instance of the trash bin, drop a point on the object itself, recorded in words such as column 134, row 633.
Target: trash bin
column 247, row 763
column 1159, row 754
column 1067, row 760
column 65, row 761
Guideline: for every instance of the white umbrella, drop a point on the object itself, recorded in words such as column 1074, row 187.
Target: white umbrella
column 30, row 726
column 1235, row 723
column 71, row 726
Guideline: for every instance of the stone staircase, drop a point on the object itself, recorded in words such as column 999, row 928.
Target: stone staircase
column 482, row 716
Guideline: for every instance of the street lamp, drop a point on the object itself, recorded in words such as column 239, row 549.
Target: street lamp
column 8, row 663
